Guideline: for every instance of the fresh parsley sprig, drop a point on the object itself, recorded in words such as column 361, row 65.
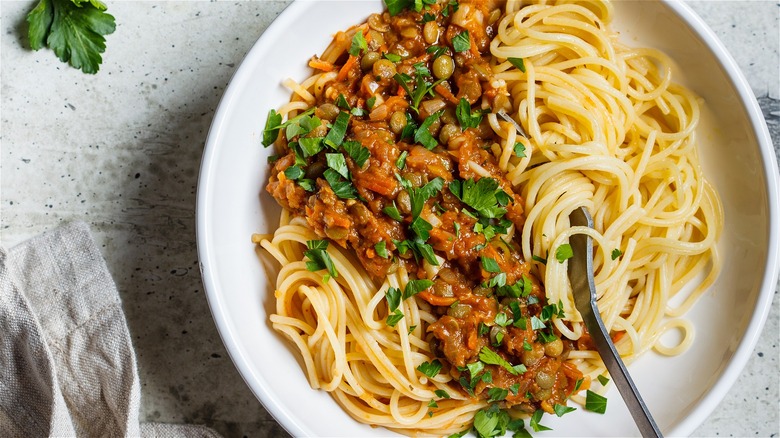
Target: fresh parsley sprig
column 74, row 29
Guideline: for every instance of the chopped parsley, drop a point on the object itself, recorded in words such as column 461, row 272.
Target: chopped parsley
column 421, row 228
column 497, row 394
column 490, row 357
column 461, row 42
column 319, row 258
column 442, row 393
column 423, row 134
column 338, row 163
column 394, row 317
column 436, row 51
column 489, row 264
column 563, row 253
column 519, row 150
column 418, row 196
column 517, row 62
column 418, row 91
column 616, row 253
column 413, row 287
column 394, row 314
column 293, row 172
column 358, row 45
column 536, row 258
column 479, row 195
column 342, row 189
column 310, row 146
column 392, row 211
column 273, row 124
column 392, row 57
column 535, row 421
column 430, row 369
column 595, row 402
column 561, row 410
column 357, row 152
column 465, row 116
column 338, row 130
column 603, row 379
column 381, row 249
column 401, row 161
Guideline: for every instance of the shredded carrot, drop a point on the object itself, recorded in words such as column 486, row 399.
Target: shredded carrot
column 445, row 93
column 319, row 64
column 346, row 68
column 436, row 300
column 618, row 336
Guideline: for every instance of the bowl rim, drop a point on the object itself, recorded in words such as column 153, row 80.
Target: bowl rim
column 740, row 355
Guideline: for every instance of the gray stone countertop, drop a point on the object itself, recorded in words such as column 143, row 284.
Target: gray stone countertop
column 121, row 150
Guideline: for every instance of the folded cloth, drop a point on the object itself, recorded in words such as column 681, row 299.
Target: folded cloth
column 67, row 366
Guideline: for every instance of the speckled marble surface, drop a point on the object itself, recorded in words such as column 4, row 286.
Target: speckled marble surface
column 121, row 151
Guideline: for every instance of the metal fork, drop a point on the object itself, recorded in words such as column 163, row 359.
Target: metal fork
column 584, row 290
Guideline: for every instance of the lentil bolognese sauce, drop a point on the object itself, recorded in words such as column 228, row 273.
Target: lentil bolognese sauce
column 405, row 280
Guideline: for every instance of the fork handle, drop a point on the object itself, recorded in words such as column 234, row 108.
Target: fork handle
column 584, row 291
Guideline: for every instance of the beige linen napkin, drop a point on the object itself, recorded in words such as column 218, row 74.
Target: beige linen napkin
column 67, row 366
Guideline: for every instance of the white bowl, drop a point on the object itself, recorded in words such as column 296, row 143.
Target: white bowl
column 737, row 157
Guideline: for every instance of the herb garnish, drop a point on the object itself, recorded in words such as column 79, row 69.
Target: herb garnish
column 319, row 258
column 461, row 42
column 430, row 369
column 563, row 253
column 358, row 45
column 517, row 62
column 466, row 117
column 595, row 402
column 74, row 29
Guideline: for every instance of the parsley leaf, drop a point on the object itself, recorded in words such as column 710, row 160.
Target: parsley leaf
column 423, row 135
column 293, row 172
column 535, row 421
column 392, row 211
column 490, row 357
column 603, row 379
column 338, row 131
column 401, row 161
column 272, row 125
column 616, row 253
column 519, row 150
column 561, row 410
column 393, row 297
column 461, row 42
column 342, row 189
column 318, row 257
column 418, row 197
column 479, row 195
column 442, row 393
column 413, row 287
column 517, row 62
column 381, row 249
column 430, row 369
column 563, row 253
column 310, row 146
column 497, row 394
column 395, row 7
column 595, row 402
column 358, row 45
column 466, row 118
column 421, row 228
column 489, row 264
column 394, row 317
column 74, row 29
column 357, row 152
column 338, row 163
column 392, row 57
